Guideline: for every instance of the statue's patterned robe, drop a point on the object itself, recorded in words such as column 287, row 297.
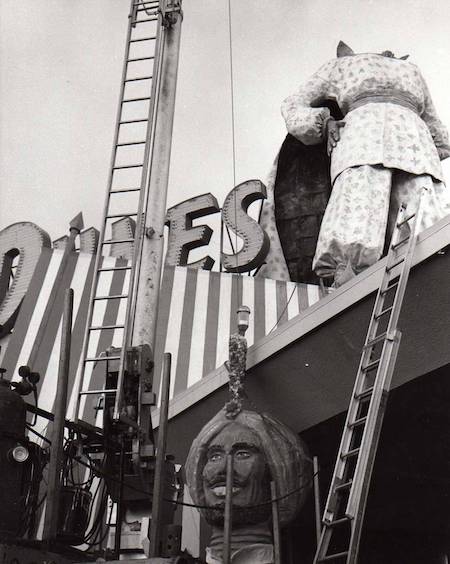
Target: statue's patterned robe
column 391, row 145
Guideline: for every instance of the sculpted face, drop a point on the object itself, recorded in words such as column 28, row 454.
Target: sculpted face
column 250, row 475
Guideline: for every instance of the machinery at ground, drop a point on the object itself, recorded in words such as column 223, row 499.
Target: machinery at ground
column 22, row 461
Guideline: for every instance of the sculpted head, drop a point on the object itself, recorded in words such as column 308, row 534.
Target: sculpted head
column 263, row 449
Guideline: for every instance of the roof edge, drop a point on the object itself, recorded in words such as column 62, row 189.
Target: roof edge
column 429, row 242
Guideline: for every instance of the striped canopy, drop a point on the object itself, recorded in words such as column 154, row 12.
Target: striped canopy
column 197, row 313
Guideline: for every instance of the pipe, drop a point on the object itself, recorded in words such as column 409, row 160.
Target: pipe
column 228, row 517
column 221, row 243
column 275, row 523
column 56, row 449
column 318, row 512
column 158, row 486
column 119, row 508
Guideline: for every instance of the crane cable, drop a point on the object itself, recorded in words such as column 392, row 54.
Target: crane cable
column 233, row 144
column 232, row 91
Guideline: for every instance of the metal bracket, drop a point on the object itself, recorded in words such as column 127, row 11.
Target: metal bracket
column 171, row 13
column 149, row 232
column 391, row 336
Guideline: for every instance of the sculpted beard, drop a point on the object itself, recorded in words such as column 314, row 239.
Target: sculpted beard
column 241, row 515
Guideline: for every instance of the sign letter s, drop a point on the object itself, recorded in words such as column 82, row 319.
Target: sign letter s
column 234, row 214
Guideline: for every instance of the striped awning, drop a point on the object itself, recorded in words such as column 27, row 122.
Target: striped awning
column 197, row 313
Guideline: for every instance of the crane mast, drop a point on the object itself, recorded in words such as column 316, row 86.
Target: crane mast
column 138, row 180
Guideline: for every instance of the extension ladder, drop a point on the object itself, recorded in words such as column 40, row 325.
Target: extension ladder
column 345, row 506
column 127, row 184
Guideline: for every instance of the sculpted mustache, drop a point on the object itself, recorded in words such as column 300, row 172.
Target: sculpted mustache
column 222, row 482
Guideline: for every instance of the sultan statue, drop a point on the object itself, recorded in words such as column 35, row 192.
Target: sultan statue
column 363, row 136
column 263, row 451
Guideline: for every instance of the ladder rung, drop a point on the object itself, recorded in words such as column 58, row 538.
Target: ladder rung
column 147, row 10
column 147, row 3
column 344, row 486
column 101, row 327
column 337, row 522
column 375, row 340
column 101, row 358
column 113, row 297
column 394, row 285
column 128, row 166
column 114, row 215
column 112, row 268
column 383, row 312
column 152, row 38
column 143, row 99
column 333, row 556
column 114, row 241
column 95, row 392
column 407, row 218
column 365, row 394
column 140, row 120
column 143, row 21
column 357, row 422
column 400, row 243
column 127, row 143
column 371, row 365
column 396, row 263
column 137, row 59
column 144, row 9
column 350, row 453
column 138, row 78
column 122, row 190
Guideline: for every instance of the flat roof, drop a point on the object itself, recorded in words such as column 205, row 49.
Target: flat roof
column 336, row 326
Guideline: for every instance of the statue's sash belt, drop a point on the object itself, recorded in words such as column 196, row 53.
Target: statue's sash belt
column 392, row 97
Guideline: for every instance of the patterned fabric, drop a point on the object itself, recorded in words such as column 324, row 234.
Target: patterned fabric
column 354, row 225
column 382, row 133
column 378, row 132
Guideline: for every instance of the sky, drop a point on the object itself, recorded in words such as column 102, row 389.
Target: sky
column 60, row 68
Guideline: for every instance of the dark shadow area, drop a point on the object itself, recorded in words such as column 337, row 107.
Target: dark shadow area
column 407, row 517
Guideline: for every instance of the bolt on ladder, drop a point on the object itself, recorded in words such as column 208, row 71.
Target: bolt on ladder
column 345, row 506
column 127, row 181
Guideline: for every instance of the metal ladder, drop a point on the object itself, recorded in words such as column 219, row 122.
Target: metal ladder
column 345, row 506
column 127, row 182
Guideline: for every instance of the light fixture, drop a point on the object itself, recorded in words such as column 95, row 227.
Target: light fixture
column 243, row 315
column 19, row 454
